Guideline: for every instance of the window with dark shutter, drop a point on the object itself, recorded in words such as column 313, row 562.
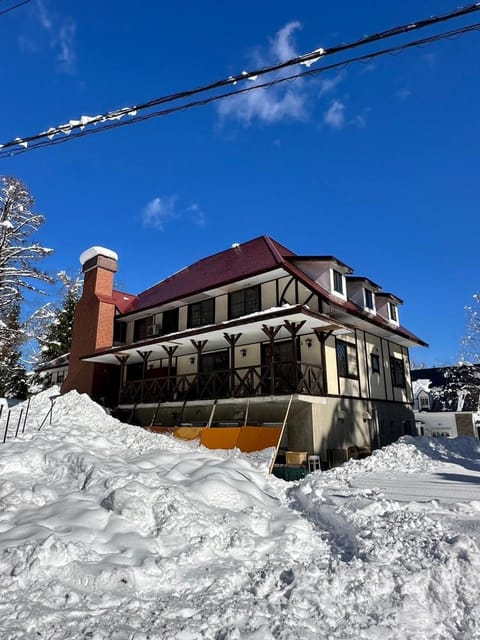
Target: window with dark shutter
column 398, row 372
column 243, row 302
column 200, row 313
column 347, row 364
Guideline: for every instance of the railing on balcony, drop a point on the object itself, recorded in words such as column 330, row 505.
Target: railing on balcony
column 263, row 380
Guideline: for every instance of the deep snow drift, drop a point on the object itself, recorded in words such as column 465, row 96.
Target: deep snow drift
column 108, row 531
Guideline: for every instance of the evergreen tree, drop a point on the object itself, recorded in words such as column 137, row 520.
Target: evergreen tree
column 52, row 324
column 13, row 375
column 18, row 255
column 18, row 274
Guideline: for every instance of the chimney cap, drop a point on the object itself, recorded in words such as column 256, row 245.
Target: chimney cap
column 93, row 252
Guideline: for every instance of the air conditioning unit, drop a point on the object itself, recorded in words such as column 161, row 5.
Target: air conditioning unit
column 153, row 330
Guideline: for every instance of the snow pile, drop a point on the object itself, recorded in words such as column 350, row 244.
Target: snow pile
column 109, row 531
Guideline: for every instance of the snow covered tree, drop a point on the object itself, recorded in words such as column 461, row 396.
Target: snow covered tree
column 13, row 375
column 460, row 390
column 18, row 274
column 18, row 255
column 460, row 386
column 52, row 324
column 471, row 341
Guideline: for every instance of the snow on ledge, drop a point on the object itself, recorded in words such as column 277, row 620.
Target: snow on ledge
column 88, row 254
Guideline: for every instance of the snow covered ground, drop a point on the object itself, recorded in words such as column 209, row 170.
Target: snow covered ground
column 108, row 531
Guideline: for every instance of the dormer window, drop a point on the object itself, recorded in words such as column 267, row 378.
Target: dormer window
column 369, row 303
column 338, row 282
column 392, row 310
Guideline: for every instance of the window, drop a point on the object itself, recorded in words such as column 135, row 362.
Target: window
column 170, row 321
column 347, row 365
column 369, row 300
column 375, row 363
column 398, row 372
column 60, row 376
column 424, row 402
column 119, row 333
column 200, row 313
column 337, row 281
column 242, row 302
column 393, row 312
column 145, row 328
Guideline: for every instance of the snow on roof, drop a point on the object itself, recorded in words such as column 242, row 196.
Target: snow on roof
column 421, row 385
column 88, row 254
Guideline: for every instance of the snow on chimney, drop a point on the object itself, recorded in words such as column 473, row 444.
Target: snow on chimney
column 93, row 323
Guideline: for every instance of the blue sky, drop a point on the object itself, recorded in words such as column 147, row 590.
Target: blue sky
column 375, row 164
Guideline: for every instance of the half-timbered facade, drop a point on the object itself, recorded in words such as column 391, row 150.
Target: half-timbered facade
column 238, row 334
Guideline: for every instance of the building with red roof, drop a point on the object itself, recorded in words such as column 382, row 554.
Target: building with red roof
column 244, row 334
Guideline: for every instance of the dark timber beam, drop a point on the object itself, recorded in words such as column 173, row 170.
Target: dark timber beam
column 271, row 333
column 232, row 340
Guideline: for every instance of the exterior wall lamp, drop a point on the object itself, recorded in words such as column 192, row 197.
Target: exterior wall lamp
column 308, row 342
column 192, row 360
column 243, row 352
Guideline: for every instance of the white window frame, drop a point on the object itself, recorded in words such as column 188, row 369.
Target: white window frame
column 373, row 308
column 341, row 294
column 392, row 305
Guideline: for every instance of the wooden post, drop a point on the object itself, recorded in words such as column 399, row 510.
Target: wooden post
column 271, row 332
column 123, row 361
column 232, row 340
column 144, row 356
column 281, row 434
column 199, row 345
column 169, row 351
column 322, row 338
column 210, row 419
column 6, row 427
column 26, row 414
column 293, row 328
column 19, row 421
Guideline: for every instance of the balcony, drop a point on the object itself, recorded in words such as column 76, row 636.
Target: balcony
column 244, row 382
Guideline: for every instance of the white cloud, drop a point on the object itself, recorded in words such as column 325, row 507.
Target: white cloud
column 198, row 216
column 66, row 37
column 61, row 36
column 272, row 104
column 159, row 211
column 335, row 115
column 327, row 85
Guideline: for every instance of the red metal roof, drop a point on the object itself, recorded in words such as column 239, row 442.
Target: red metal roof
column 123, row 301
column 241, row 261
column 248, row 259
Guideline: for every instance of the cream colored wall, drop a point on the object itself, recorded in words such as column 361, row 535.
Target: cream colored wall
column 331, row 366
column 252, row 357
column 300, row 432
column 182, row 318
column 289, row 292
column 362, row 365
column 341, row 423
column 129, row 333
column 268, row 295
column 221, row 308
column 184, row 366
column 373, row 344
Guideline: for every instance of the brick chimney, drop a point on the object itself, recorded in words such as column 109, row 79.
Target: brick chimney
column 93, row 324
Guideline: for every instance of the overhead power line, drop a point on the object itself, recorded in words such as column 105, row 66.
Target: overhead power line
column 113, row 119
column 14, row 6
column 183, row 107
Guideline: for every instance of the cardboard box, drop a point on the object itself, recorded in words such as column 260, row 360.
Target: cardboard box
column 296, row 457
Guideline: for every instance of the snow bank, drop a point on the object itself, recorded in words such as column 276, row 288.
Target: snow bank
column 109, row 531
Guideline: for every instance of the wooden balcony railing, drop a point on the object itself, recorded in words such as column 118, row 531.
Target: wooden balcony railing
column 282, row 379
